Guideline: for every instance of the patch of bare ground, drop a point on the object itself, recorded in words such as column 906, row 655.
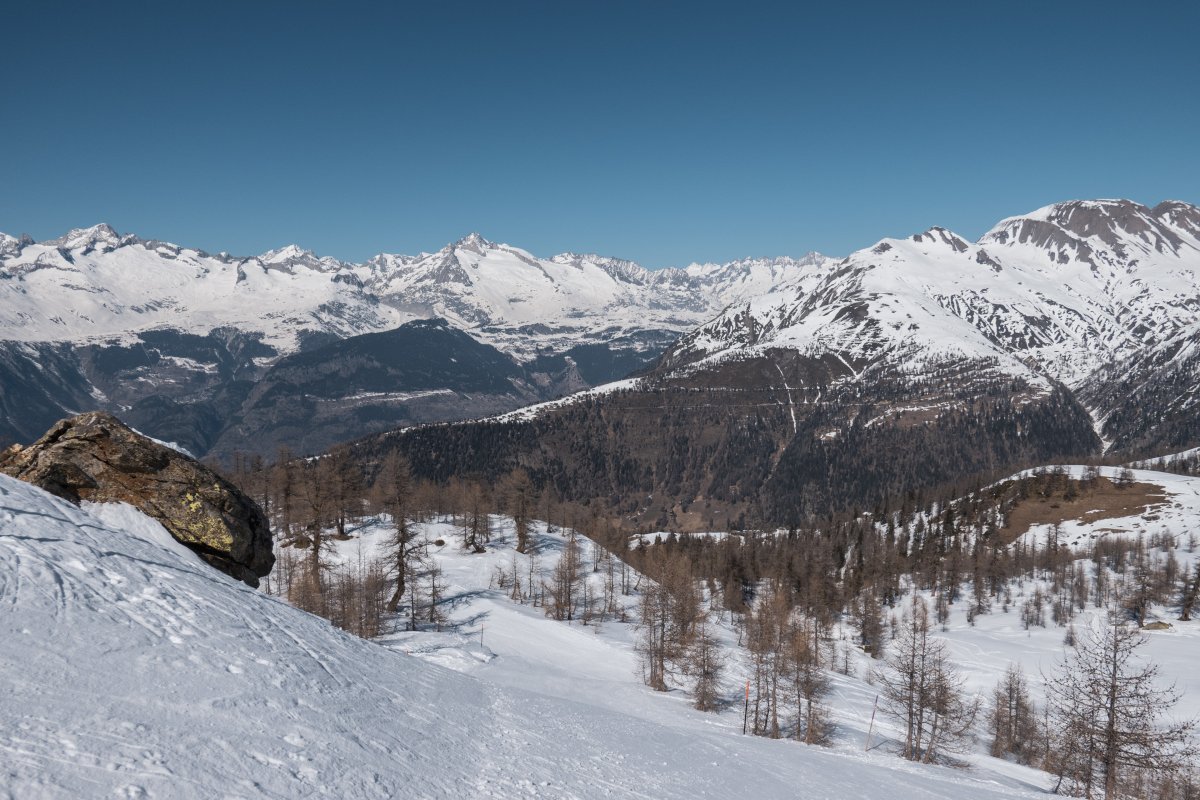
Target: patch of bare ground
column 1101, row 499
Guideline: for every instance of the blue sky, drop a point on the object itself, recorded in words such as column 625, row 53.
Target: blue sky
column 666, row 133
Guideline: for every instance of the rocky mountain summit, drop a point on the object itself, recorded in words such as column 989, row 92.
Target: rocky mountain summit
column 95, row 457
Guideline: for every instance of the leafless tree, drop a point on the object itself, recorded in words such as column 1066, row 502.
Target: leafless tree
column 518, row 492
column 705, row 663
column 393, row 489
column 809, row 682
column 922, row 690
column 564, row 587
column 1106, row 706
column 653, row 612
column 476, row 522
column 1013, row 719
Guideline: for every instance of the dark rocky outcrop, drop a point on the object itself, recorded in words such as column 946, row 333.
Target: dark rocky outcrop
column 96, row 457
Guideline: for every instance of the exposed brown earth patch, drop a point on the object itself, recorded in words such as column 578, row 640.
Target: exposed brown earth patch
column 1100, row 500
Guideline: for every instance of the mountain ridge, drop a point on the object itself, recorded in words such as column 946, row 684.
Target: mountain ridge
column 295, row 288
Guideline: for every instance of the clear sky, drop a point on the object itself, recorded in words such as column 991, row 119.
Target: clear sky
column 662, row 132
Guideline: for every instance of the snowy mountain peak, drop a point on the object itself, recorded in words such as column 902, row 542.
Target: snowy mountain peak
column 1181, row 216
column 474, row 242
column 292, row 256
column 812, row 258
column 940, row 235
column 1095, row 231
column 1054, row 294
column 619, row 269
column 9, row 245
column 98, row 237
column 286, row 253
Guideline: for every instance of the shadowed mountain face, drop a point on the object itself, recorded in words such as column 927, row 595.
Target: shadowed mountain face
column 424, row 371
column 227, row 392
column 767, row 441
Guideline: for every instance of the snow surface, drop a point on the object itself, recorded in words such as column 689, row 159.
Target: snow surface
column 131, row 669
column 1170, row 458
column 178, row 448
column 530, row 412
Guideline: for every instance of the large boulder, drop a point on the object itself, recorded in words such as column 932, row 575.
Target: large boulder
column 96, row 457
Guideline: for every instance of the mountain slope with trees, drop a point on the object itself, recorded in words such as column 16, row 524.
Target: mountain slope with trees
column 907, row 366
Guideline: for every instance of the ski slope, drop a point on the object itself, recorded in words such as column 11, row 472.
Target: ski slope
column 131, row 669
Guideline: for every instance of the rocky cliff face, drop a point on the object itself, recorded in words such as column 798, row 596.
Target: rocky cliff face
column 96, row 457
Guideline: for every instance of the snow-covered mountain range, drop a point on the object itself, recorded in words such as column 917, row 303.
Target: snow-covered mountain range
column 1067, row 333
column 1083, row 293
column 1099, row 296
column 225, row 353
column 95, row 284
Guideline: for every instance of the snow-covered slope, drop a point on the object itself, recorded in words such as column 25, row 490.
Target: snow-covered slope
column 94, row 283
column 985, row 645
column 1058, row 293
column 130, row 669
column 489, row 635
